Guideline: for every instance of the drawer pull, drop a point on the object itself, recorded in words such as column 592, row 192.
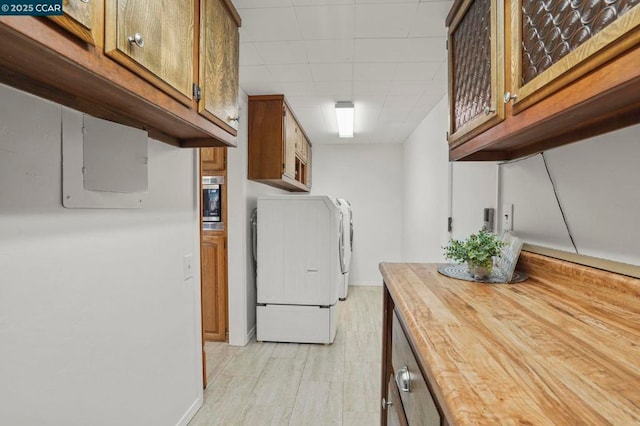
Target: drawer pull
column 403, row 379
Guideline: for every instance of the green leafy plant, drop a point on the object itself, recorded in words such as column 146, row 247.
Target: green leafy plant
column 476, row 251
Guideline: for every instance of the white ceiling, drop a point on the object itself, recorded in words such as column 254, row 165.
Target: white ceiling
column 386, row 56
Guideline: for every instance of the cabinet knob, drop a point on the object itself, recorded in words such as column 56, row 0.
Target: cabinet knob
column 508, row 96
column 386, row 403
column 403, row 379
column 136, row 39
column 488, row 110
column 233, row 118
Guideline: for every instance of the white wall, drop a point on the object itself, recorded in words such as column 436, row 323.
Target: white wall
column 473, row 189
column 426, row 188
column 241, row 200
column 97, row 324
column 369, row 176
column 597, row 184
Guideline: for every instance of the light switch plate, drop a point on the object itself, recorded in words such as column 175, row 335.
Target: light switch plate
column 507, row 217
column 187, row 266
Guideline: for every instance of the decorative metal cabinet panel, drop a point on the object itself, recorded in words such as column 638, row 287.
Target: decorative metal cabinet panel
column 475, row 68
column 558, row 41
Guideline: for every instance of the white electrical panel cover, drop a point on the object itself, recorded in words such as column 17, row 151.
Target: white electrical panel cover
column 104, row 164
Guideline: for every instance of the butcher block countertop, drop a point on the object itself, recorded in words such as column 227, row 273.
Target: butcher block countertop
column 561, row 348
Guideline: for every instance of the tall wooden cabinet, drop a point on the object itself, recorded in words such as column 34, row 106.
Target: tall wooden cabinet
column 279, row 149
column 569, row 72
column 213, row 252
column 213, row 255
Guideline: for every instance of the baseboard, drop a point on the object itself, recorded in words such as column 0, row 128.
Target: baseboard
column 367, row 284
column 184, row 421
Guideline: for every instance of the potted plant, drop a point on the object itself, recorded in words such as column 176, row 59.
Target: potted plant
column 477, row 252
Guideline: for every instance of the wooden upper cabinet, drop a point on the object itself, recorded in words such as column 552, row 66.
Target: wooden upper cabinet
column 570, row 72
column 155, row 39
column 219, row 63
column 557, row 42
column 82, row 18
column 476, row 78
column 274, row 132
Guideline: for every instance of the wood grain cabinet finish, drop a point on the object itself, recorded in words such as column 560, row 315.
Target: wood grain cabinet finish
column 570, row 72
column 219, row 63
column 214, row 287
column 476, row 80
column 136, row 65
column 155, row 39
column 82, row 18
column 275, row 138
column 393, row 405
column 213, row 159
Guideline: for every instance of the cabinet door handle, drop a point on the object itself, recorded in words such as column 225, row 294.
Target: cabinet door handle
column 233, row 119
column 84, row 1
column 386, row 403
column 509, row 96
column 488, row 110
column 136, row 39
column 403, row 379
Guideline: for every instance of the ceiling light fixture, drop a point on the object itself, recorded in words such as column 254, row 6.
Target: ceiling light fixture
column 344, row 115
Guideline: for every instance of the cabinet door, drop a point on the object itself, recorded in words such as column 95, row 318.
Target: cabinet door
column 476, row 68
column 290, row 138
column 556, row 42
column 395, row 412
column 214, row 287
column 213, row 159
column 155, row 39
column 82, row 18
column 219, row 62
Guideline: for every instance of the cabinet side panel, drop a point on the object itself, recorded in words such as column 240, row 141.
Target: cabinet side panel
column 471, row 44
column 265, row 139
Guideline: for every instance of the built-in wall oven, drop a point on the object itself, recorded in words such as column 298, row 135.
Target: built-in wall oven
column 212, row 192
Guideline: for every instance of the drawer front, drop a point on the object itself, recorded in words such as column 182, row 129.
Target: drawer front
column 395, row 411
column 419, row 406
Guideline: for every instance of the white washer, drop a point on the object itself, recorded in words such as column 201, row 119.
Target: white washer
column 299, row 268
column 345, row 246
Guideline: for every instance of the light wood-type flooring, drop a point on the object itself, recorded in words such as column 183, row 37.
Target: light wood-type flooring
column 301, row 384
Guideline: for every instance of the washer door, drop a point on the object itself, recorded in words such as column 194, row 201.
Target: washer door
column 341, row 250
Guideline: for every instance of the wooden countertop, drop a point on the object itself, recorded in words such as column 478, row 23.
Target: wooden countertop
column 560, row 348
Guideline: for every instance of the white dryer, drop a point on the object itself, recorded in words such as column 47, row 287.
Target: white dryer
column 298, row 268
column 346, row 245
